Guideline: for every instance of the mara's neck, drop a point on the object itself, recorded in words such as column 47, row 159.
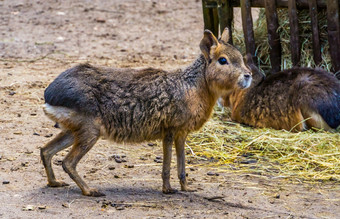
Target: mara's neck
column 195, row 76
column 200, row 99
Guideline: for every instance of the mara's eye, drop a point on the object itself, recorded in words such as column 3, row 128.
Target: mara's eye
column 222, row 61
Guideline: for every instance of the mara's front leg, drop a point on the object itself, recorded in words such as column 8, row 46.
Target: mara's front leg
column 167, row 149
column 180, row 153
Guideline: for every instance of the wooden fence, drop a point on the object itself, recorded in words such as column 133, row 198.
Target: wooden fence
column 218, row 14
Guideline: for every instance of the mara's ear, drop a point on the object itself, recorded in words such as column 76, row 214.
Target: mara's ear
column 207, row 42
column 225, row 35
column 256, row 72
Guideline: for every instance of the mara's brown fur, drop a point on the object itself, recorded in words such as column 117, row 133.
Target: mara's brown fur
column 129, row 105
column 296, row 99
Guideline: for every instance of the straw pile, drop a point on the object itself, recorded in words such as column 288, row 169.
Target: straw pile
column 310, row 155
column 262, row 46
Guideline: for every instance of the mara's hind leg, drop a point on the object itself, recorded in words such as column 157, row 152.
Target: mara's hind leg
column 315, row 120
column 84, row 141
column 62, row 141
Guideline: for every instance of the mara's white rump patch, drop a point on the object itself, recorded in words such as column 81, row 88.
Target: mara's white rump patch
column 58, row 112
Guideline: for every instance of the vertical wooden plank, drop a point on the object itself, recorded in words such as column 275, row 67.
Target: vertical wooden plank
column 210, row 16
column 334, row 32
column 215, row 21
column 247, row 24
column 273, row 36
column 313, row 13
column 294, row 32
column 225, row 16
column 206, row 16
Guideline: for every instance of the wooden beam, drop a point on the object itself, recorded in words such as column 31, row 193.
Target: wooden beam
column 294, row 32
column 301, row 4
column 247, row 24
column 334, row 32
column 313, row 13
column 273, row 36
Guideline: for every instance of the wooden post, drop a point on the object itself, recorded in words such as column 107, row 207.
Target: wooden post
column 273, row 36
column 210, row 16
column 225, row 16
column 334, row 32
column 313, row 13
column 294, row 32
column 247, row 24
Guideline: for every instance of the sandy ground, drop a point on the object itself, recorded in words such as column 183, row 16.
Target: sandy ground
column 40, row 39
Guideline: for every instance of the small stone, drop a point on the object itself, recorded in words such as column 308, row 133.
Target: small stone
column 129, row 166
column 93, row 170
column 277, row 196
column 28, row 208
column 151, row 144
column 61, row 13
column 212, row 174
column 116, row 176
column 111, row 167
column 158, row 161
column 33, row 114
column 48, row 135
column 41, row 207
column 248, row 161
column 192, row 169
column 100, row 20
column 5, row 182
column 65, row 205
column 119, row 208
column 159, row 158
column 37, row 134
column 118, row 160
column 58, row 162
column 12, row 93
column 56, row 125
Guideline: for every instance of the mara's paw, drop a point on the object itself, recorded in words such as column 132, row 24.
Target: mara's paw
column 93, row 193
column 169, row 191
column 188, row 190
column 57, row 184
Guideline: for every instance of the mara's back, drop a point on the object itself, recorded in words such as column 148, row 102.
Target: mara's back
column 298, row 98
column 131, row 105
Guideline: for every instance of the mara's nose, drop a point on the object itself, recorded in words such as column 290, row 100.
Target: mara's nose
column 247, row 76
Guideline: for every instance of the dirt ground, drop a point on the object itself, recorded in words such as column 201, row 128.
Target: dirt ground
column 41, row 38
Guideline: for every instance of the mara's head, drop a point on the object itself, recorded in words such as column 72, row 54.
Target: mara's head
column 225, row 66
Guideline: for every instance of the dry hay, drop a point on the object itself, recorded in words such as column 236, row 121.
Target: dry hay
column 309, row 155
column 305, row 32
